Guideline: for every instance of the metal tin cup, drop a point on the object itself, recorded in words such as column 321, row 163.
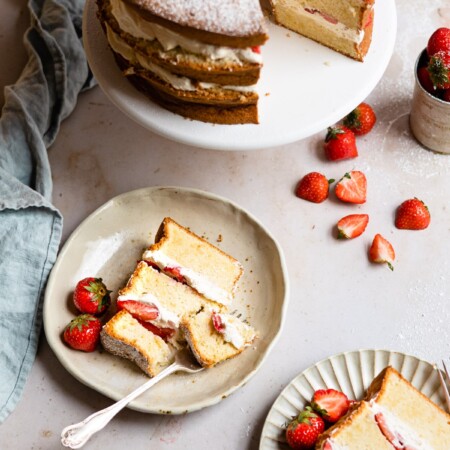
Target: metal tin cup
column 430, row 116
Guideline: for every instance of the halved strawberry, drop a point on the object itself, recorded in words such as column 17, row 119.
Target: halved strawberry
column 163, row 332
column 352, row 226
column 330, row 404
column 381, row 251
column 139, row 310
column 352, row 187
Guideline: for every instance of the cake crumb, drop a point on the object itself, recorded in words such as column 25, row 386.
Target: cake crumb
column 219, row 238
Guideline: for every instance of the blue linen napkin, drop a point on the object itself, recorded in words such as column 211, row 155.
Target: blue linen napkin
column 30, row 226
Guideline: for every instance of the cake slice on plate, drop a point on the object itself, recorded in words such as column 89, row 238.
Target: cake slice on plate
column 159, row 302
column 355, row 431
column 183, row 255
column 177, row 296
column 394, row 415
column 124, row 336
column 214, row 337
column 343, row 25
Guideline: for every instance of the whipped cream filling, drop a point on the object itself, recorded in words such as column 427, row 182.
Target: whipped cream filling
column 176, row 81
column 230, row 331
column 132, row 23
column 199, row 282
column 404, row 436
column 166, row 318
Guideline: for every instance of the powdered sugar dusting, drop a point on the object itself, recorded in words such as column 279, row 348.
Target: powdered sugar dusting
column 228, row 17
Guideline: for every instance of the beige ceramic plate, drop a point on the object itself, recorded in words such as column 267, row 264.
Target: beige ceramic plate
column 108, row 244
column 350, row 372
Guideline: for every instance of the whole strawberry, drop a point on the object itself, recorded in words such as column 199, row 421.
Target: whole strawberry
column 91, row 296
column 361, row 120
column 303, row 431
column 412, row 214
column 330, row 404
column 83, row 333
column 424, row 78
column 439, row 69
column 313, row 187
column 340, row 143
column 439, row 41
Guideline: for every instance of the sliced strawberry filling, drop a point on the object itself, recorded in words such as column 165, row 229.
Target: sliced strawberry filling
column 394, row 438
column 217, row 323
column 151, row 264
column 256, row 49
column 369, row 21
column 164, row 333
column 175, row 272
column 327, row 17
column 139, row 310
column 327, row 445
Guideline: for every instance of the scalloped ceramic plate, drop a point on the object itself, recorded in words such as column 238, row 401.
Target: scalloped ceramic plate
column 108, row 244
column 350, row 372
column 304, row 87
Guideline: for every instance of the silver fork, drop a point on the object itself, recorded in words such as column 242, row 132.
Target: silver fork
column 75, row 436
column 444, row 380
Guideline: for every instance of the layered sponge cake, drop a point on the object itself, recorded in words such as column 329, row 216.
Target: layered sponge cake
column 394, row 415
column 191, row 259
column 202, row 58
column 199, row 59
column 343, row 25
column 164, row 298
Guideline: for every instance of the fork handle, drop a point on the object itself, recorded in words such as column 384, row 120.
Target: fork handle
column 76, row 435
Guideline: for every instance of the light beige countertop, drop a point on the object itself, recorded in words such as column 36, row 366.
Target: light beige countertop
column 339, row 301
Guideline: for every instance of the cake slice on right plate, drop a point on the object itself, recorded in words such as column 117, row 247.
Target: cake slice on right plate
column 393, row 415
